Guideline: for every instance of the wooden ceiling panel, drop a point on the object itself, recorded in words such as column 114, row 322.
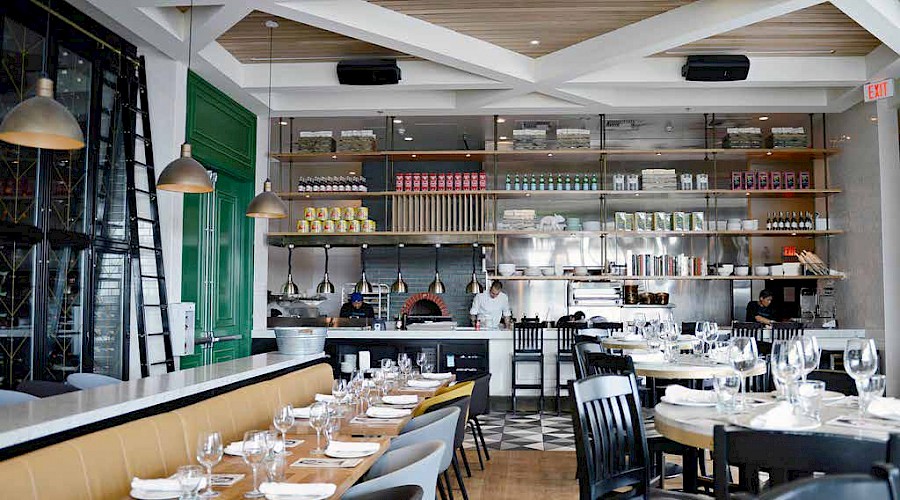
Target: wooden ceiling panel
column 513, row 24
column 821, row 30
column 248, row 41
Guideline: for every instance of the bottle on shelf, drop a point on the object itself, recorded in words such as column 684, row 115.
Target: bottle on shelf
column 508, row 183
column 568, row 185
column 577, row 185
column 795, row 225
column 594, row 185
column 517, row 185
column 768, row 221
column 362, row 185
column 541, row 184
column 559, row 182
column 779, row 224
column 533, row 182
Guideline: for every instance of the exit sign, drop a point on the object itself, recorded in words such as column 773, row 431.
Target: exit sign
column 878, row 90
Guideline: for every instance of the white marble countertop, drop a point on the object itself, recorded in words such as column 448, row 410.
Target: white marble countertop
column 28, row 421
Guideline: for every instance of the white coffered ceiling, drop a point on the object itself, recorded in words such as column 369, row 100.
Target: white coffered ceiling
column 459, row 62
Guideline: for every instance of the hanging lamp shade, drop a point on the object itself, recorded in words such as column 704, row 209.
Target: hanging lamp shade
column 290, row 288
column 363, row 285
column 436, row 286
column 185, row 175
column 399, row 286
column 267, row 205
column 325, row 286
column 474, row 285
column 42, row 122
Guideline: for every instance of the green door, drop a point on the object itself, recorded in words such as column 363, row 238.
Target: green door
column 219, row 260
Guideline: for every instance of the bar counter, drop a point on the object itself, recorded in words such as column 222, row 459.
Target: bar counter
column 87, row 409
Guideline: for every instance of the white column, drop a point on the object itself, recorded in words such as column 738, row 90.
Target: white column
column 261, row 227
column 889, row 159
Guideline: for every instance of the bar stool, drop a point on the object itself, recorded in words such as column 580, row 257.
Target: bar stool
column 528, row 347
column 565, row 340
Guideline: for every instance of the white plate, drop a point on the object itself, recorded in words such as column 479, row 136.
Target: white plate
column 746, row 420
column 153, row 495
column 296, row 497
column 685, row 403
column 348, row 454
column 827, row 397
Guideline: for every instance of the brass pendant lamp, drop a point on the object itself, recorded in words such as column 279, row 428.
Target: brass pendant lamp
column 290, row 288
column 325, row 286
column 363, row 285
column 41, row 121
column 474, row 286
column 399, row 286
column 185, row 174
column 436, row 286
column 267, row 205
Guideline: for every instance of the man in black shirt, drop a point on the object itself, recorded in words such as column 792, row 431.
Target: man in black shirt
column 762, row 311
column 356, row 308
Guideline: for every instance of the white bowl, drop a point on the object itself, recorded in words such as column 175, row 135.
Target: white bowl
column 724, row 272
column 750, row 224
column 761, row 271
column 591, row 225
column 729, row 267
column 547, row 271
column 506, row 269
column 776, row 270
column 742, row 271
column 532, row 271
column 792, row 268
column 581, row 271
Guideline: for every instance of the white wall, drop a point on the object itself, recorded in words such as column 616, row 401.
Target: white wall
column 261, row 226
column 889, row 158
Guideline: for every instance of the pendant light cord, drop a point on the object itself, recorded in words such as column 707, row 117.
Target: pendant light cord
column 326, row 259
column 269, row 107
column 437, row 249
column 190, row 35
column 398, row 259
column 46, row 45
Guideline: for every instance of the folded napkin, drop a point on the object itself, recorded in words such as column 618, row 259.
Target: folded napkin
column 648, row 357
column 235, row 448
column 324, row 397
column 437, row 376
column 887, row 408
column 631, row 337
column 352, row 447
column 679, row 393
column 779, row 417
column 160, row 485
column 424, row 384
column 298, row 489
column 402, row 399
column 382, row 412
column 301, row 412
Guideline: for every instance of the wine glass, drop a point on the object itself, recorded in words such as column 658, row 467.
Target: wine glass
column 339, row 391
column 189, row 478
column 421, row 359
column 743, row 355
column 869, row 389
column 209, row 453
column 318, row 419
column 254, row 450
column 283, row 421
column 712, row 333
column 860, row 361
column 701, row 331
column 787, row 364
column 812, row 353
column 386, row 363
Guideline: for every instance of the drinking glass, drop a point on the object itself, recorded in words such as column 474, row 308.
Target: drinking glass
column 283, row 421
column 812, row 353
column 274, row 464
column 209, row 454
column 318, row 419
column 387, row 388
column 712, row 333
column 787, row 364
column 869, row 389
column 339, row 391
column 669, row 332
column 428, row 367
column 809, row 398
column 402, row 358
column 860, row 361
column 421, row 359
column 378, row 378
column 727, row 387
column 701, row 331
column 189, row 479
column 386, row 363
column 743, row 355
column 254, row 452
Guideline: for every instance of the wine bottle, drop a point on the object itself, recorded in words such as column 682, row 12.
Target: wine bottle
column 768, row 221
column 794, row 224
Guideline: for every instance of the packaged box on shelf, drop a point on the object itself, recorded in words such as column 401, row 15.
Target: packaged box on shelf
column 742, row 138
column 320, row 141
column 357, row 140
column 750, row 180
column 526, row 139
column 680, row 221
column 624, row 221
column 703, row 182
column 790, row 181
column 775, row 180
column 697, row 221
column 573, row 138
column 737, row 180
column 762, row 180
column 642, row 221
column 632, row 182
column 788, row 137
column 662, row 221
column 805, row 182
column 687, row 182
column 618, row 182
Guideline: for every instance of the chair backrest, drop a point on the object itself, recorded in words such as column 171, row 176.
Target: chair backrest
column 881, row 484
column 786, row 330
column 463, row 404
column 835, row 380
column 528, row 337
column 747, row 329
column 688, row 327
column 580, row 352
column 90, row 380
column 601, row 363
column 611, row 326
column 565, row 336
column 481, row 396
column 451, row 393
column 15, row 397
column 408, row 492
column 585, row 338
column 798, row 455
column 439, row 424
column 609, row 436
column 416, row 464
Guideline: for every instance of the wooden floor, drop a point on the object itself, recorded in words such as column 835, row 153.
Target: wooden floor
column 522, row 475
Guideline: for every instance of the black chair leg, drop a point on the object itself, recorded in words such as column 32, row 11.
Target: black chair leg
column 487, row 455
column 447, row 483
column 541, row 364
column 514, row 385
column 459, row 479
column 477, row 444
column 558, row 386
column 465, row 461
column 440, row 487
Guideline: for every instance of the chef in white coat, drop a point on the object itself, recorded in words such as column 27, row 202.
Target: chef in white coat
column 491, row 307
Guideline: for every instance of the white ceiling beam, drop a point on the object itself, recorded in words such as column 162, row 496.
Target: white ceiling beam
column 341, row 103
column 315, row 76
column 689, row 23
column 882, row 63
column 380, row 26
column 881, row 18
column 177, row 3
column 767, row 99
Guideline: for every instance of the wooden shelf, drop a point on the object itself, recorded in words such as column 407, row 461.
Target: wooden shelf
column 571, row 195
column 659, row 278
column 564, row 154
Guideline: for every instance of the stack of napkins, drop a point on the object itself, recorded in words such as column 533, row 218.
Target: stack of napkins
column 887, row 408
column 680, row 394
column 402, row 399
column 382, row 412
column 312, row 490
column 437, row 376
column 358, row 448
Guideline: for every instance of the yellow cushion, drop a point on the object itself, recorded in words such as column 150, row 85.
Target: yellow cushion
column 452, row 392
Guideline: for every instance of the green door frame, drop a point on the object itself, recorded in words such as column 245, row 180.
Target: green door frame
column 223, row 136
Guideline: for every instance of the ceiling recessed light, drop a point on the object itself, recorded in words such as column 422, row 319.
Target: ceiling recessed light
column 282, row 123
column 351, row 173
column 763, row 118
column 768, row 153
column 873, row 119
column 503, row 138
column 549, row 154
column 407, row 138
column 397, row 120
column 535, row 42
column 334, row 157
column 501, row 120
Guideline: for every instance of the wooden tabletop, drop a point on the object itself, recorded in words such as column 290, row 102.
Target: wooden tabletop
column 357, row 424
column 685, row 369
column 683, row 342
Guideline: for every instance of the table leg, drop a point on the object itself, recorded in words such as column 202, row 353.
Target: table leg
column 690, row 470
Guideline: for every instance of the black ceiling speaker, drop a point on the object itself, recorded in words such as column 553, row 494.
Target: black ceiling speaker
column 368, row 72
column 716, row 68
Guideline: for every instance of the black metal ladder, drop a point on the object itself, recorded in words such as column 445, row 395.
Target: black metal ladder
column 148, row 274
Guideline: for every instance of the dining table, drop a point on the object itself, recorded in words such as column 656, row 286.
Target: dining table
column 684, row 367
column 628, row 343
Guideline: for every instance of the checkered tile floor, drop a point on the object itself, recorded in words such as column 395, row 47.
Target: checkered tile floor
column 526, row 431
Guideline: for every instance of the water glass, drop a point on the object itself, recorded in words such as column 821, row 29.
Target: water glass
column 743, row 355
column 860, row 361
column 812, row 353
column 869, row 389
column 189, row 479
column 339, row 391
column 386, row 364
column 787, row 364
column 275, row 464
column 809, row 398
column 209, row 454
column 421, row 359
column 727, row 387
column 428, row 367
column 283, row 421
column 318, row 419
column 254, row 451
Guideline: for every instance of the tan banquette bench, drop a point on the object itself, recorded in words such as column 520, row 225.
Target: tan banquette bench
column 100, row 465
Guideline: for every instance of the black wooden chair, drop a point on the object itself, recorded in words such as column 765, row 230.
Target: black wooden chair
column 835, row 380
column 528, row 347
column 610, row 442
column 480, row 405
column 882, row 484
column 610, row 326
column 580, row 353
column 787, row 456
column 565, row 341
column 786, row 330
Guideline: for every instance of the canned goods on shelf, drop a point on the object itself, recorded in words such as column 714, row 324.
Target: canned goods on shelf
column 322, row 213
column 302, row 226
column 309, row 213
column 315, row 226
column 328, row 226
column 349, row 213
column 368, row 226
column 362, row 213
column 335, row 213
column 355, row 226
column 342, row 226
